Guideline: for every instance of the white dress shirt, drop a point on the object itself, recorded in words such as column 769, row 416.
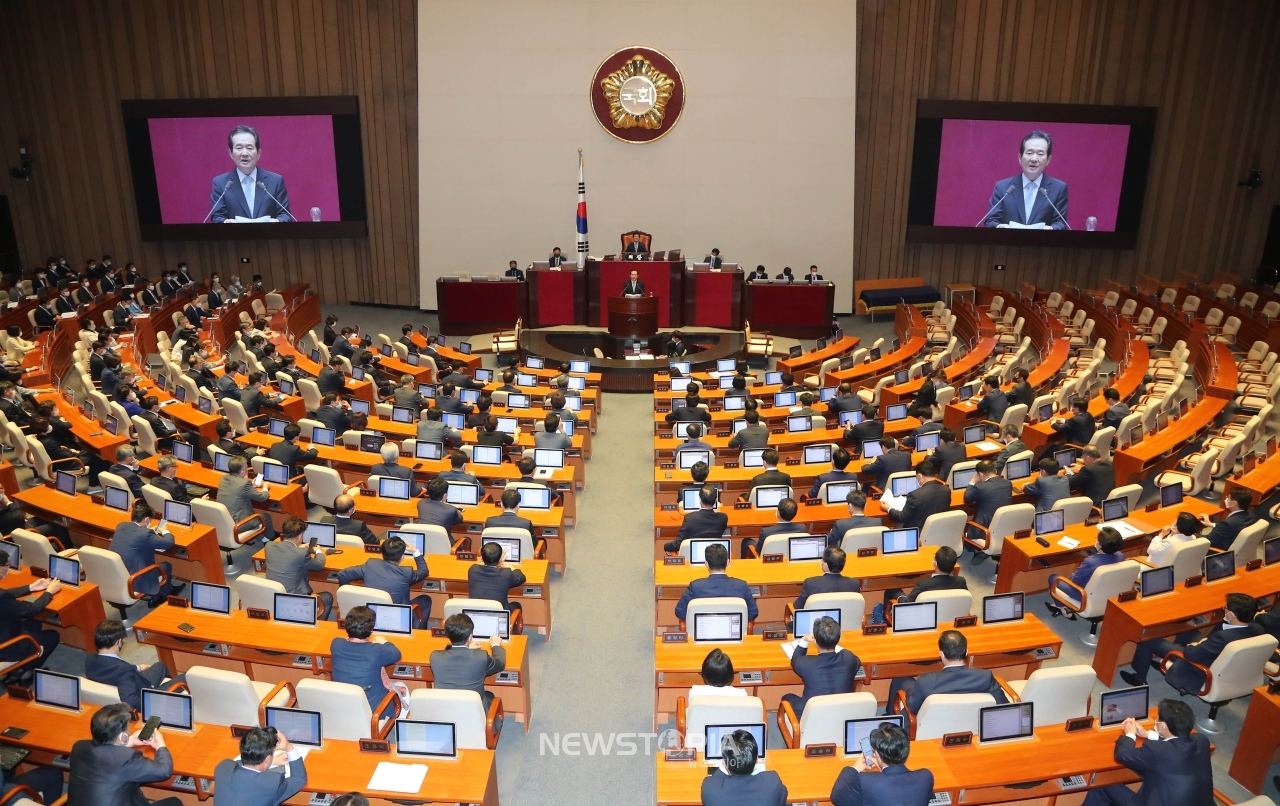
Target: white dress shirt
column 716, row 691
column 1029, row 191
column 249, row 182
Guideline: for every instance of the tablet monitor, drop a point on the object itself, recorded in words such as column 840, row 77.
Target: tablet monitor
column 773, row 378
column 838, row 491
column 15, row 554
column 962, row 478
column 717, row 627
column 404, row 414
column 428, row 450
column 698, row 548
column 483, row 375
column 899, row 541
column 1054, row 520
column 769, row 496
column 275, row 473
column 222, row 462
column 679, row 385
column 577, row 384
column 902, row 376
column 726, row 364
column 510, row 548
column 508, row 425
column 414, row 540
column 806, row 547
column 184, row 452
column 735, row 403
column 827, row 393
column 535, row 362
column 915, row 617
column 753, row 457
column 111, row 425
column 372, row 443
column 974, row 433
column 486, row 454
column 680, row 366
column 180, row 393
column 817, row 454
column 534, row 497
column 1065, row 457
column 1115, row 509
column 276, row 426
column 526, row 379
column 874, row 354
column 488, row 623
column 904, row 484
column 359, row 406
column 177, row 512
column 966, row 392
column 583, row 367
column 315, row 355
column 686, row 459
column 468, row 396
column 294, row 608
column 413, row 359
column 1002, row 607
column 713, row 739
column 1271, row 551
column 898, row 411
column 689, row 499
column 855, row 730
column 428, row 739
column 64, row 482
column 1122, row 704
column 1219, row 566
column 871, row 448
column 804, row 619
column 739, row 423
column 1045, row 413
column 802, row 422
column 1171, row 494
column 386, row 350
column 65, row 569
column 1016, row 469
column 784, row 399
column 392, row 619
column 211, row 598
column 515, row 401
column 464, row 347
column 461, row 494
column 326, row 437
column 57, row 690
column 325, row 534
column 357, row 373
column 849, row 418
column 1156, row 581
column 116, row 498
column 999, row 723
column 390, row 487
column 929, row 441
column 298, row 726
column 173, row 708
column 161, row 381
column 548, row 457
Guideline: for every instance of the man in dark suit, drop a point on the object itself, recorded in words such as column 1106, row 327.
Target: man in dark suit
column 1013, row 445
column 1021, row 391
column 387, row 574
column 688, row 410
column 250, row 781
column 845, row 400
column 331, row 378
column 390, row 466
column 922, row 406
column 463, row 665
column 1031, row 197
column 493, row 580
column 993, row 404
column 771, row 474
column 193, row 311
column 832, row 671
column 1175, row 771
column 832, row 580
column 18, row 617
column 857, row 502
column 813, row 276
column 1078, row 429
column 634, row 287
column 717, row 583
column 1116, row 411
column 137, row 543
column 252, row 399
column 948, row 453
column 890, row 783
column 290, row 563
column 344, row 508
column 891, row 460
column 1237, row 623
column 108, row 668
column 1096, row 479
column 287, row 452
column 703, row 522
column 930, row 498
column 1223, row 533
column 870, row 428
column 514, row 271
column 555, row 259
column 110, row 768
column 510, row 517
column 84, row 294
column 786, row 512
column 12, row 406
column 62, row 302
column 759, row 274
column 713, row 260
column 839, row 461
column 433, row 510
column 332, row 414
column 248, row 191
column 956, row 677
column 636, row 247
column 754, row 435
column 1050, row 486
column 342, row 345
column 942, row 578
column 228, row 443
column 987, row 493
column 127, row 467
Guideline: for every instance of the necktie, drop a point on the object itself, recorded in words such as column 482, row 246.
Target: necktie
column 1030, row 191
column 248, row 192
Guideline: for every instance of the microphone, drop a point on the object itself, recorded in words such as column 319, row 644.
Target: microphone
column 225, row 188
column 263, row 187
column 1045, row 193
column 999, row 202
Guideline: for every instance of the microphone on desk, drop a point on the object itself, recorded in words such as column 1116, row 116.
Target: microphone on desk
column 1045, row 193
column 225, row 188
column 999, row 202
column 263, row 187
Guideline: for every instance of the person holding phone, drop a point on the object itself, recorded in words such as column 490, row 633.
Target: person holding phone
column 109, row 768
column 880, row 776
column 289, row 563
column 18, row 616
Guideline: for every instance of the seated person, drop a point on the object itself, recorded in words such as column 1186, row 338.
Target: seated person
column 288, row 453
column 832, row 580
column 839, row 461
column 1107, row 550
column 1237, row 623
column 806, row 406
column 362, row 661
column 1050, row 486
column 551, row 437
column 1096, row 478
column 956, row 677
column 892, row 460
column 737, row 783
column 1011, row 437
column 705, row 521
column 948, row 453
column 693, row 440
column 994, row 403
column 18, row 616
column 510, row 518
column 834, row 670
column 787, row 510
column 771, row 475
column 137, row 543
column 754, row 435
column 717, row 583
column 1223, row 533
column 1174, row 763
column 387, row 574
column 109, row 767
column 987, row 493
column 108, row 668
column 943, row 578
column 884, row 779
column 487, row 433
column 717, row 677
column 390, row 466
column 290, row 563
column 434, row 510
column 407, row 395
column 857, row 502
column 464, row 664
column 688, row 409
column 344, row 511
column 1079, row 427
column 930, row 498
column 491, row 579
column 1185, row 529
column 869, row 428
column 431, row 428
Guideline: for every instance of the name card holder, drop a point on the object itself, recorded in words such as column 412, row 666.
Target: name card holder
column 1079, row 723
column 240, row 731
column 466, row 556
column 820, row 750
column 1127, row 596
column 177, row 601
column 957, row 739
column 675, row 638
column 673, row 560
column 775, row 635
column 374, row 746
column 742, row 505
column 965, row 621
column 875, row 629
column 1253, row 565
column 772, row 558
column 1021, row 534
column 258, row 613
column 869, row 551
column 680, row 754
column 1191, row 582
column 813, row 502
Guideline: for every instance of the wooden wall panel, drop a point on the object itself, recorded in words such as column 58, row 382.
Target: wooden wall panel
column 1209, row 67
column 68, row 63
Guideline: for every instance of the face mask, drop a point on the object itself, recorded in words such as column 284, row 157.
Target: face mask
column 151, row 287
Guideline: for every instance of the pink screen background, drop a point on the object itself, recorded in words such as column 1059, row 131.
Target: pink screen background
column 976, row 154
column 190, row 152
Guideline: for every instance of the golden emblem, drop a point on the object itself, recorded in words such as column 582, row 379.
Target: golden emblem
column 637, row 94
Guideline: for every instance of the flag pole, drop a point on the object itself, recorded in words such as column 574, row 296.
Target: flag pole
column 582, row 215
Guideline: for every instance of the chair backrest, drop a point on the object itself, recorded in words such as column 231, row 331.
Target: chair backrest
column 344, row 708
column 324, row 484
column 220, row 697
column 951, row 603
column 1107, row 582
column 510, row 533
column 457, row 604
column 1130, row 491
column 703, row 711
column 1110, row 299
column 435, row 539
column 310, row 393
column 1102, row 440
column 1191, row 304
column 464, row 709
column 1076, row 509
column 106, row 570
column 146, row 436
column 36, row 453
column 109, row 479
column 236, row 414
column 941, row 714
column 155, row 497
column 958, row 467
column 778, row 543
column 34, row 548
column 756, row 490
column 1247, row 541
column 1238, row 670
column 1059, row 693
column 99, row 694
column 350, row 596
column 716, row 604
column 824, row 716
column 308, row 426
column 211, row 513
column 1187, row 557
column 1202, row 473
column 944, row 529
column 852, row 607
column 1007, row 520
column 1213, row 317
column 258, row 592
column 865, row 538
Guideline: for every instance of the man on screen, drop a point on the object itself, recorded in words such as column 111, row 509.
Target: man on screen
column 248, row 191
column 1031, row 197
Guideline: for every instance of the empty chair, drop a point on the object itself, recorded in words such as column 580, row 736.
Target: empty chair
column 1007, row 520
column 324, row 485
column 350, row 596
column 952, row 604
column 344, row 709
column 692, row 718
column 219, row 697
column 852, row 607
column 941, row 714
column 714, row 604
column 35, row 548
column 944, row 529
column 1195, row 481
column 864, row 538
column 258, row 592
column 474, row 729
column 1076, row 509
column 1058, row 692
column 1090, row 602
column 824, row 717
column 98, row 694
column 1191, row 304
column 231, row 535
column 1187, row 557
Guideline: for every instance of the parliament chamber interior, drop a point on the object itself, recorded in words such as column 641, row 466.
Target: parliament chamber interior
column 939, row 339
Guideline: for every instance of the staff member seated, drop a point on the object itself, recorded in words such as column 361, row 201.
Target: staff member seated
column 754, row 435
column 1175, row 771
column 786, row 513
column 108, row 668
column 884, row 780
column 390, row 466
column 832, row 580
column 387, row 574
column 1237, row 623
column 493, row 580
column 737, row 784
column 891, row 460
column 360, row 661
column 1050, row 486
column 717, row 677
column 703, row 522
column 344, row 510
column 251, row 781
column 513, row 271
column 717, row 583
column 636, row 247
column 771, row 474
column 463, row 665
column 1107, row 550
column 1079, row 428
column 834, row 670
column 956, row 677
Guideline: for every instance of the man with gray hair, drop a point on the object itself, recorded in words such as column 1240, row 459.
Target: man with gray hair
column 390, row 466
column 407, row 396
column 127, row 467
column 168, row 480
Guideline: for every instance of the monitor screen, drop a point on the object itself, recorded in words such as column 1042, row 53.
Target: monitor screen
column 680, row 385
column 898, row 411
column 713, row 738
column 1045, row 412
column 773, row 378
column 717, row 627
column 177, row 512
column 689, row 499
column 900, row 541
column 357, row 373
column 117, row 498
column 294, row 609
column 325, row 534
column 915, row 617
column 974, row 433
column 418, row 738
column 222, row 462
column 680, row 366
column 1065, row 457
column 848, row 418
column 735, row 403
column 582, row 367
column 804, row 548
column 398, row 489
column 489, row 623
column 464, row 347
column 577, row 384
column 15, row 554
column 686, row 459
column 510, row 547
column 276, row 426
column 416, row 540
column 534, row 497
column 784, row 399
column 65, row 569
column 548, row 457
column 1157, row 580
column 739, row 424
column 509, row 425
column 324, row 436
column 184, row 452
column 211, row 598
column 1115, row 509
column 535, row 362
column 483, row 375
column 1219, row 566
column 769, row 496
column 804, row 619
column 904, row 484
column 287, row 388
column 1271, row 551
column 180, row 394
column 486, row 454
column 698, row 548
column 855, row 730
column 817, row 454
column 111, row 424
column 57, row 689
column 275, row 473
column 929, row 441
column 468, row 396
column 1017, row 469
column 298, row 726
column 1122, row 704
column 962, row 478
column 404, row 414
column 359, row 406
column 64, row 482
column 515, row 401
column 966, row 392
column 526, row 379
column 871, row 448
column 827, row 393
column 173, row 708
column 462, row 494
column 413, row 359
column 1055, row 520
column 1002, row 607
column 753, row 457
column 1171, row 495
column 1000, row 722
column 372, row 443
column 838, row 491
column 428, row 450
column 901, row 376
column 392, row 619
column 801, row 423
column 205, row 404
column 726, row 364
column 386, row 350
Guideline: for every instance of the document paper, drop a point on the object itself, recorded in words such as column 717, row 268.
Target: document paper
column 389, row 777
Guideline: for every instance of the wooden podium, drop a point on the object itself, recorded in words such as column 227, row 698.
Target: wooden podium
column 633, row 317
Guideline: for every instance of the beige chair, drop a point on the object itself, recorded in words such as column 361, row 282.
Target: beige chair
column 311, row 398
column 1090, row 602
column 97, row 694
column 1058, row 692
column 816, row 381
column 1076, row 509
column 324, row 485
column 944, row 529
column 1187, row 558
column 457, row 604
column 758, row 344
column 473, row 728
column 108, row 479
column 852, row 607
column 1245, row 546
column 1007, row 520
column 958, row 467
column 1197, row 480
column 1236, row 673
column 35, row 548
column 344, row 709
column 219, row 697
column 155, row 497
column 692, row 718
column 231, row 535
column 44, row 467
column 864, row 538
column 716, row 604
column 952, row 604
column 507, row 341
column 941, row 714
column 350, row 596
column 780, row 543
column 823, row 719
column 258, row 592
column 106, row 569
column 146, row 436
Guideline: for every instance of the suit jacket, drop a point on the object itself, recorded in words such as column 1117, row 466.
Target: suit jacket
column 936, row 582
column 552, row 441
column 63, row 305
column 408, row 397
column 1021, row 393
column 702, row 523
column 633, row 288
column 895, row 461
column 753, row 436
column 112, row 671
column 770, row 477
column 234, row 203
column 1174, row 773
column 827, row 583
column 685, row 414
column 492, row 582
column 330, row 380
column 829, row 477
column 929, row 499
column 993, row 405
column 510, row 520
column 636, row 248
column 1048, row 490
column 114, row 774
column 194, row 315
column 14, row 611
column 288, row 564
column 1011, row 207
column 1184, row 676
column 84, row 295
column 895, row 785
column 863, row 431
column 946, row 455
column 1012, row 449
column 290, row 455
column 718, row 585
column 1078, row 429
column 954, row 680
column 461, row 669
column 1084, row 572
column 45, row 317
column 988, row 496
column 352, row 526
column 130, row 477
column 438, row 513
column 342, row 346
column 236, row 786
column 397, row 471
column 238, row 496
column 713, row 261
column 922, row 406
column 824, row 673
column 836, row 536
column 553, row 260
column 334, row 417
column 15, row 412
column 1225, row 531
column 137, row 545
column 436, row 431
column 394, row 579
column 1095, row 481
column 765, row 789
column 361, row 664
column 252, row 401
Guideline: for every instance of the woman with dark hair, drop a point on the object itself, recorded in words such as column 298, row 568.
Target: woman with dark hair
column 717, row 677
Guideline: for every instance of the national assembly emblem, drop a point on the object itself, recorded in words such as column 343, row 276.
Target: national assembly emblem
column 637, row 94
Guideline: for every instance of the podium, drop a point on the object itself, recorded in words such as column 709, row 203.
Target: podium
column 633, row 317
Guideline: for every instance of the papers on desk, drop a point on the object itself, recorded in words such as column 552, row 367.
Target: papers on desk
column 67, row 315
column 544, row 472
column 891, row 501
column 1016, row 225
column 790, row 647
column 989, row 446
column 1069, row 543
column 168, row 402
column 1125, row 528
column 266, row 219
column 389, row 777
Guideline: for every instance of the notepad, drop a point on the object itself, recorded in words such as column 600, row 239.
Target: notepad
column 391, row 777
column 1125, row 529
column 1068, row 543
column 988, row 446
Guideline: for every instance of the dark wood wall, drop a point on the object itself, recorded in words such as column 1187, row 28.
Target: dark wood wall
column 1210, row 67
column 67, row 64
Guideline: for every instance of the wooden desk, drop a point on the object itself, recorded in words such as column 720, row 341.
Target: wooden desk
column 361, row 389
column 75, row 612
column 195, row 554
column 1171, row 613
column 274, row 651
column 1259, row 737
column 1262, row 481
column 789, row 444
column 91, row 433
column 808, row 363
column 286, row 499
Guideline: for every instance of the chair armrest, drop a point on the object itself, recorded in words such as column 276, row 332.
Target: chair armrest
column 753, row 553
column 789, row 726
column 1168, row 660
column 1066, row 602
column 789, row 613
column 460, row 544
column 681, row 708
column 493, row 723
column 903, row 709
column 164, row 579
column 177, row 685
column 36, row 649
column 1008, row 692
column 75, row 459
column 19, row 792
column 301, row 477
column 262, row 706
column 57, row 545
column 262, row 527
column 375, row 730
column 975, row 543
column 540, row 549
